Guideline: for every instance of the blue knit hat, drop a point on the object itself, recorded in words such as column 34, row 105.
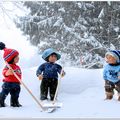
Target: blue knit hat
column 115, row 54
column 48, row 52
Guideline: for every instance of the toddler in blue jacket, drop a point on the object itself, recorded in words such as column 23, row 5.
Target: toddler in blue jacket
column 48, row 73
column 111, row 73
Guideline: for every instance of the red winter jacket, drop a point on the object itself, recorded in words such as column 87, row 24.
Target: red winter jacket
column 12, row 78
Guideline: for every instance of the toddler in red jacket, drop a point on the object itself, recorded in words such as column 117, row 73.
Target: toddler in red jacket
column 10, row 83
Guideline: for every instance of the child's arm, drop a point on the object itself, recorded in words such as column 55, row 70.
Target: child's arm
column 39, row 72
column 6, row 72
column 104, row 74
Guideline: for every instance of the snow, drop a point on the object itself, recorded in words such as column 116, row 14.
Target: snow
column 79, row 5
column 46, row 21
column 61, row 9
column 58, row 22
column 109, row 3
column 81, row 91
column 92, row 41
column 116, row 29
column 101, row 14
column 13, row 37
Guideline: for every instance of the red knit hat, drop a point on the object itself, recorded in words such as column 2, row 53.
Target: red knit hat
column 9, row 54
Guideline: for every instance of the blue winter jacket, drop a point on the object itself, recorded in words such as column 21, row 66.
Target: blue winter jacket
column 49, row 70
column 111, row 73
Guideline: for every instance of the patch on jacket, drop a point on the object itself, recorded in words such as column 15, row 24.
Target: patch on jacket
column 113, row 73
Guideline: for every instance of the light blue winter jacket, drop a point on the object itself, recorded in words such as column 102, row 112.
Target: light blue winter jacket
column 111, row 73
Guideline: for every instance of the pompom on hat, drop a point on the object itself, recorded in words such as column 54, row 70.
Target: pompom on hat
column 9, row 54
column 115, row 54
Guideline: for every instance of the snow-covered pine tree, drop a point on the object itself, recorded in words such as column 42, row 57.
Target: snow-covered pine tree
column 83, row 31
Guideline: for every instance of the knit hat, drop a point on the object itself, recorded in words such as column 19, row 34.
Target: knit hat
column 9, row 54
column 115, row 54
column 49, row 52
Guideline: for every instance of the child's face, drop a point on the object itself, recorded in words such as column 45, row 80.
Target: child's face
column 52, row 58
column 110, row 59
column 16, row 59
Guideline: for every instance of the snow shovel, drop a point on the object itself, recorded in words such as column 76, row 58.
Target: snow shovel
column 54, row 104
column 49, row 110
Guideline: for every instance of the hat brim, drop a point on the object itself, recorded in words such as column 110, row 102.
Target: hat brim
column 57, row 54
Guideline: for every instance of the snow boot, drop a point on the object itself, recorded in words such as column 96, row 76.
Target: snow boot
column 52, row 98
column 118, row 97
column 43, row 98
column 2, row 104
column 15, row 103
column 109, row 95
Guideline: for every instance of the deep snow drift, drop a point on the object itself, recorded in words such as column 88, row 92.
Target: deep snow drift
column 81, row 91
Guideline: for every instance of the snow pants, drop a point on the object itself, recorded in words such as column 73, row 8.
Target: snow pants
column 48, row 85
column 12, row 88
column 110, row 86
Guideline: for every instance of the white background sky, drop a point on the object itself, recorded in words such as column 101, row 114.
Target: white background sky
column 12, row 36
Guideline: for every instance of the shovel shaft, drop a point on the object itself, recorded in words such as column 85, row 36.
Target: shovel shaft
column 54, row 100
column 37, row 101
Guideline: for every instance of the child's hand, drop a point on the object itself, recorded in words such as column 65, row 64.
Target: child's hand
column 40, row 77
column 63, row 74
column 9, row 72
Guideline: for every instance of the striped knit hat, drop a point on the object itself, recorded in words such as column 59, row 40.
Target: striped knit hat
column 115, row 54
column 9, row 54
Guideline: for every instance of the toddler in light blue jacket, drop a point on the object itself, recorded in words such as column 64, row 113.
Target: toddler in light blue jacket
column 111, row 74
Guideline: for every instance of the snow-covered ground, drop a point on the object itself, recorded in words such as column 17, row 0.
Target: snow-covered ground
column 81, row 91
